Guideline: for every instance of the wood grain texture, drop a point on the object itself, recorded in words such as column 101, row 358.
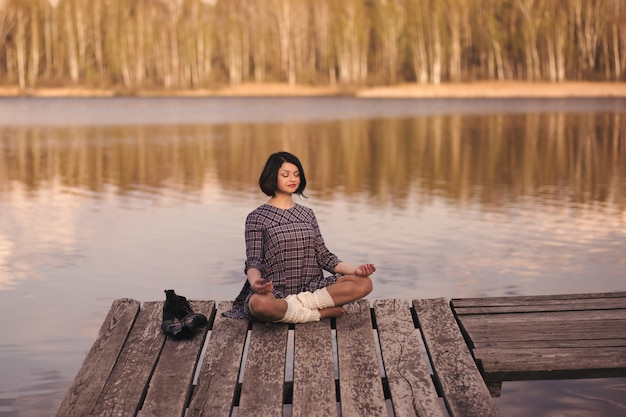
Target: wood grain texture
column 128, row 382
column 410, row 382
column 170, row 385
column 217, row 380
column 463, row 388
column 100, row 360
column 551, row 363
column 264, row 375
column 556, row 302
column 360, row 381
column 546, row 337
column 314, row 392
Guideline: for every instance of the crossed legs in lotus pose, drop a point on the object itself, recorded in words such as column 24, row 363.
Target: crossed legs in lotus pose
column 267, row 308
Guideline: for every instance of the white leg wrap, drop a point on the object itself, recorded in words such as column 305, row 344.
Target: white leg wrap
column 297, row 313
column 318, row 300
column 323, row 298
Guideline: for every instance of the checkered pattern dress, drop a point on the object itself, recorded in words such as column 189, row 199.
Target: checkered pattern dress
column 288, row 248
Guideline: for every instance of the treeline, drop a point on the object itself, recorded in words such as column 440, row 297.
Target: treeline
column 132, row 45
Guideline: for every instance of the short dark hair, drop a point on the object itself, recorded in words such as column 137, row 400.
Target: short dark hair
column 268, row 181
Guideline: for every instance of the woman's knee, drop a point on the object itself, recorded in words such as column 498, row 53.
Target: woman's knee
column 366, row 286
column 359, row 286
column 266, row 307
column 259, row 305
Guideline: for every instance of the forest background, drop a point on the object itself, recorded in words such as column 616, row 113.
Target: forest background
column 131, row 47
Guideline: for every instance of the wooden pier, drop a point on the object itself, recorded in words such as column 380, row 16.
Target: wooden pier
column 392, row 358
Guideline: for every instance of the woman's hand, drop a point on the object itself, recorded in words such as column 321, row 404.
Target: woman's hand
column 365, row 270
column 259, row 286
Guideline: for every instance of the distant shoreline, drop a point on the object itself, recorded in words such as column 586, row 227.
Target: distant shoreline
column 483, row 89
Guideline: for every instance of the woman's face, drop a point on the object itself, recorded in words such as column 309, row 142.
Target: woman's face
column 288, row 178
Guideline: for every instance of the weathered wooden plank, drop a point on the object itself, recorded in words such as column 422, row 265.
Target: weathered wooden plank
column 360, row 382
column 314, row 393
column 217, row 380
column 536, row 298
column 595, row 300
column 463, row 388
column 547, row 344
column 170, row 385
column 586, row 305
column 264, row 375
column 553, row 316
column 128, row 382
column 594, row 330
column 82, row 395
column 522, row 364
column 410, row 382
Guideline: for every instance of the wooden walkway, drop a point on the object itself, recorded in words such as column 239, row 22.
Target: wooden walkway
column 545, row 337
column 392, row 358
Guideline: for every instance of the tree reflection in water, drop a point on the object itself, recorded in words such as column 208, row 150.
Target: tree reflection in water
column 580, row 158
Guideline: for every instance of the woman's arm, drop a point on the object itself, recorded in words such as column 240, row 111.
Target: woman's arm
column 254, row 256
column 364, row 270
column 257, row 283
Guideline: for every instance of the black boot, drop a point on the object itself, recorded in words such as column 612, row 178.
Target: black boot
column 177, row 305
column 176, row 329
column 195, row 321
column 179, row 320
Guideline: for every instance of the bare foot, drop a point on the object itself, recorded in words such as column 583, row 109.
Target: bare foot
column 331, row 312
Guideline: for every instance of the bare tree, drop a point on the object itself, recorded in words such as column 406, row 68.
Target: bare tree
column 456, row 14
column 325, row 53
column 234, row 44
column 590, row 22
column 70, row 37
column 554, row 28
column 435, row 52
column 618, row 54
column 7, row 26
column 35, row 52
column 416, row 38
column 531, row 11
column 20, row 47
column 352, row 34
column 260, row 35
column 492, row 40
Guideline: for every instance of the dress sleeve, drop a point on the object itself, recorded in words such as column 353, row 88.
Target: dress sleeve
column 254, row 243
column 325, row 258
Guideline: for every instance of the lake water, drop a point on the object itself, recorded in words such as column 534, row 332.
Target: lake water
column 116, row 197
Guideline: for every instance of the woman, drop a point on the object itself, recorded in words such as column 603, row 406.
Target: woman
column 286, row 256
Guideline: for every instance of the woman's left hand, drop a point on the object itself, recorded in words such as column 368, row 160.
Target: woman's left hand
column 365, row 270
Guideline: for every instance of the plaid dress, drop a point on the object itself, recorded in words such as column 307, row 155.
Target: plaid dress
column 288, row 248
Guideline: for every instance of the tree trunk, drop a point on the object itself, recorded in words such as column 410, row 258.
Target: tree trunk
column 81, row 37
column 456, row 23
column 436, row 55
column 97, row 36
column 416, row 25
column 285, row 25
column 530, row 25
column 35, row 53
column 391, row 27
column 139, row 46
column 72, row 56
column 589, row 25
column 617, row 60
column 49, row 29
column 20, row 48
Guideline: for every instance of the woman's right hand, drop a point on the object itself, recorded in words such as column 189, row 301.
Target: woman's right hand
column 259, row 286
